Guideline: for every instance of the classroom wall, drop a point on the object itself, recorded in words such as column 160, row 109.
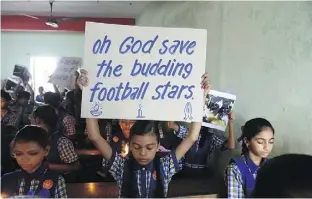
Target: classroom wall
column 260, row 51
column 18, row 47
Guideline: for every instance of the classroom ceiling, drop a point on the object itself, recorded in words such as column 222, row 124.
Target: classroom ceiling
column 91, row 8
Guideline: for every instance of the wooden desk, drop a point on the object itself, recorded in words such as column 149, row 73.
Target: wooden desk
column 92, row 190
column 177, row 188
column 88, row 152
column 203, row 196
column 193, row 187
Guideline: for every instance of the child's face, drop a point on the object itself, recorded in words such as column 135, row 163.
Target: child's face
column 262, row 144
column 126, row 125
column 29, row 155
column 3, row 103
column 144, row 148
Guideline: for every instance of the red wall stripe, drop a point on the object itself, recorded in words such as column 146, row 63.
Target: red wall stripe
column 22, row 23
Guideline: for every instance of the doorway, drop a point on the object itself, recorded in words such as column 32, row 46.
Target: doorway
column 41, row 68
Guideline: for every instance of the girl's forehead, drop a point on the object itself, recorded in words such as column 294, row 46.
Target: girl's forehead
column 127, row 121
column 266, row 133
column 31, row 145
column 144, row 139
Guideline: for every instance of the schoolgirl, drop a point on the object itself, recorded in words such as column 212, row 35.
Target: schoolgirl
column 257, row 143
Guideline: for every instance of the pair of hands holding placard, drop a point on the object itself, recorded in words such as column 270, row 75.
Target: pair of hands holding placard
column 104, row 147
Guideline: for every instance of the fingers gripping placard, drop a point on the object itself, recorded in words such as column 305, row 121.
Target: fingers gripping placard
column 143, row 72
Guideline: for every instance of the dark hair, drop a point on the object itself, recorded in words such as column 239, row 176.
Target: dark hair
column 63, row 94
column 5, row 95
column 285, row 176
column 70, row 96
column 252, row 128
column 52, row 99
column 47, row 114
column 145, row 127
column 31, row 133
column 23, row 95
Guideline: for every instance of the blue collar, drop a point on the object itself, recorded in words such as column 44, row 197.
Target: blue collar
column 149, row 167
column 252, row 166
column 37, row 174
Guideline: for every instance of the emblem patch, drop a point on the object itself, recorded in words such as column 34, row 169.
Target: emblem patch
column 47, row 184
column 115, row 139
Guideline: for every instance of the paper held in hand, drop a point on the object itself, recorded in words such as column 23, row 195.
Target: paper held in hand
column 217, row 108
column 143, row 73
column 64, row 74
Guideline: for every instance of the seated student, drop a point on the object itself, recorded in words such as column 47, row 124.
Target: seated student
column 195, row 160
column 34, row 179
column 22, row 108
column 8, row 117
column 143, row 173
column 117, row 135
column 106, row 132
column 40, row 97
column 240, row 174
column 119, row 139
column 285, row 176
column 22, row 99
column 62, row 156
column 66, row 123
column 68, row 103
column 167, row 133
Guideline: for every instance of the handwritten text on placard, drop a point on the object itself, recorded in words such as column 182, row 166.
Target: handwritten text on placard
column 131, row 69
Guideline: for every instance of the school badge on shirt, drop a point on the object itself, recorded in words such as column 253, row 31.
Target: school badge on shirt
column 47, row 184
column 115, row 139
column 154, row 175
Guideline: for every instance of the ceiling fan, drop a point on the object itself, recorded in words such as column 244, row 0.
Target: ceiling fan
column 53, row 22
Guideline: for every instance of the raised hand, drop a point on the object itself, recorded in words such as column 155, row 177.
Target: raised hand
column 173, row 125
column 232, row 116
column 205, row 84
column 83, row 80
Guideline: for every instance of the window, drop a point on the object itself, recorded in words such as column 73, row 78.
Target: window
column 41, row 68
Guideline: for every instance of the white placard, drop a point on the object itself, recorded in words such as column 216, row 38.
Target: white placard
column 64, row 74
column 168, row 87
column 217, row 108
